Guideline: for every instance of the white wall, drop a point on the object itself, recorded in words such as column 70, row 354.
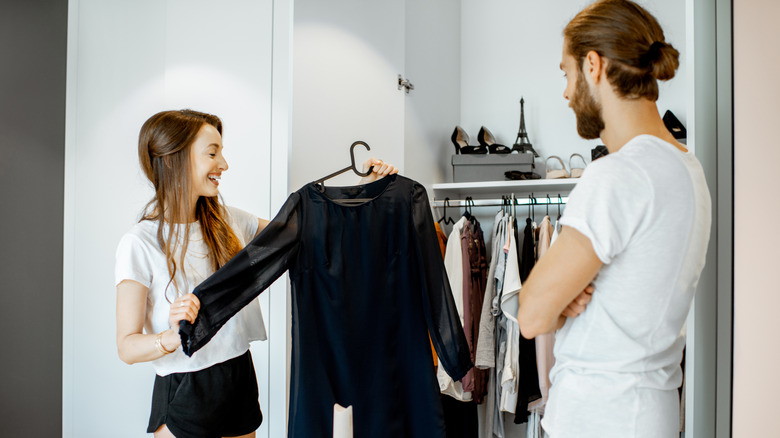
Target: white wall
column 513, row 48
column 126, row 61
column 756, row 93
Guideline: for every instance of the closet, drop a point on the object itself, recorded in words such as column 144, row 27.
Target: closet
column 470, row 63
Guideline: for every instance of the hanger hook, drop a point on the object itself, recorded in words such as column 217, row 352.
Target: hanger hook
column 548, row 204
column 352, row 155
column 560, row 201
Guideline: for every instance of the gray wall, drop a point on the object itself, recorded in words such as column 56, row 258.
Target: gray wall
column 32, row 146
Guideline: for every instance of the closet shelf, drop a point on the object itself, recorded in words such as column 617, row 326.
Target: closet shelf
column 538, row 187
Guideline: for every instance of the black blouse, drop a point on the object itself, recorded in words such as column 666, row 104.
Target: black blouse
column 368, row 286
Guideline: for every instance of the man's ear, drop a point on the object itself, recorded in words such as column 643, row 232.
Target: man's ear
column 593, row 64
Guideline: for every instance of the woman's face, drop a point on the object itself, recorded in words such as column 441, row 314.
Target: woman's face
column 206, row 162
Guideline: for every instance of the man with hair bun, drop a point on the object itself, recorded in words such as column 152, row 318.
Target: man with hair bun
column 633, row 246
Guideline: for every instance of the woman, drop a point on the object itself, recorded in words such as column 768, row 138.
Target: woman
column 185, row 235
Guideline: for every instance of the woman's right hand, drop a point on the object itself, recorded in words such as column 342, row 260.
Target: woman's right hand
column 185, row 307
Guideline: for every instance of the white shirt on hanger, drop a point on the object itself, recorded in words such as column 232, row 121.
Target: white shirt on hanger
column 453, row 263
column 510, row 372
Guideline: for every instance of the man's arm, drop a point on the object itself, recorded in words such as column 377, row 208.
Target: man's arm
column 557, row 281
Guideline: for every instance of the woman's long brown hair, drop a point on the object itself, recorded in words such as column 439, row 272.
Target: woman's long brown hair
column 164, row 153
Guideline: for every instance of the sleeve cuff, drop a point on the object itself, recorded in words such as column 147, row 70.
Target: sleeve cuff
column 585, row 230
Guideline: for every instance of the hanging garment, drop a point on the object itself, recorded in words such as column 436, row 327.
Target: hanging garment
column 556, row 231
column 528, row 253
column 460, row 417
column 486, row 344
column 441, row 237
column 510, row 371
column 367, row 282
column 528, row 382
column 453, row 263
column 474, row 276
column 545, row 235
column 465, row 239
column 534, row 428
column 546, row 341
column 500, row 338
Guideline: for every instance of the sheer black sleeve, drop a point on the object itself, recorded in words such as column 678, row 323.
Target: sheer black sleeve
column 244, row 277
column 441, row 315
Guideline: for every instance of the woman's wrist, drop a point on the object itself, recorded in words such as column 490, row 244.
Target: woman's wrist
column 167, row 342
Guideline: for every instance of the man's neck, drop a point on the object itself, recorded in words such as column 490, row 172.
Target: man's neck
column 625, row 119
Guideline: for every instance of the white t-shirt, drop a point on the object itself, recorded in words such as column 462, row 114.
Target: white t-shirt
column 140, row 258
column 646, row 210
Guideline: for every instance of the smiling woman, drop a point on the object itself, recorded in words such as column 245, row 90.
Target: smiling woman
column 186, row 234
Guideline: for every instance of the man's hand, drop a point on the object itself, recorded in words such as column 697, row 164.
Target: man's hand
column 579, row 304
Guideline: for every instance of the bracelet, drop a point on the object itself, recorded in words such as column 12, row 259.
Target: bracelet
column 159, row 345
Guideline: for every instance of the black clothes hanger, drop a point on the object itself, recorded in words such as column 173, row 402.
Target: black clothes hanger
column 467, row 211
column 321, row 181
column 548, row 205
column 560, row 201
column 447, row 220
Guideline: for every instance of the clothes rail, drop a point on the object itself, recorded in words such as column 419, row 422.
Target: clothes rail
column 438, row 203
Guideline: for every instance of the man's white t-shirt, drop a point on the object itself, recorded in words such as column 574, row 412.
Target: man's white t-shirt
column 646, row 210
column 140, row 258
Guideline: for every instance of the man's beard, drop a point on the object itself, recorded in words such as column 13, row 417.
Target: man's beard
column 587, row 110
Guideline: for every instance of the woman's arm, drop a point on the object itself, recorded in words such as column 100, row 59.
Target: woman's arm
column 261, row 224
column 132, row 344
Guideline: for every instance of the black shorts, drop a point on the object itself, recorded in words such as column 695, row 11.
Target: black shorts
column 221, row 400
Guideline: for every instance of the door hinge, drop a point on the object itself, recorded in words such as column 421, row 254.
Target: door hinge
column 404, row 83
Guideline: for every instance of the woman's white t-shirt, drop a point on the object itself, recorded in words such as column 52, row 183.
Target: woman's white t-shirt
column 140, row 258
column 646, row 210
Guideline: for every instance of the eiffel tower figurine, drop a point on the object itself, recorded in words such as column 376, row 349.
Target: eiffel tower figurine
column 522, row 144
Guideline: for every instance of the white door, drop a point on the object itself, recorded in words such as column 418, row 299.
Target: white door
column 126, row 61
column 347, row 55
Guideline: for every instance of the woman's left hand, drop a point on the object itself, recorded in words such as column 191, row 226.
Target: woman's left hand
column 381, row 170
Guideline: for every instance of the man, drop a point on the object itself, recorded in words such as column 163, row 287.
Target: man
column 634, row 240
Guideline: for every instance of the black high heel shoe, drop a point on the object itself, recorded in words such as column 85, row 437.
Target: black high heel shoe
column 487, row 139
column 461, row 141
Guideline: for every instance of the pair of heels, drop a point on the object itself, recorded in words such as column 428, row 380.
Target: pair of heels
column 576, row 172
column 487, row 142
